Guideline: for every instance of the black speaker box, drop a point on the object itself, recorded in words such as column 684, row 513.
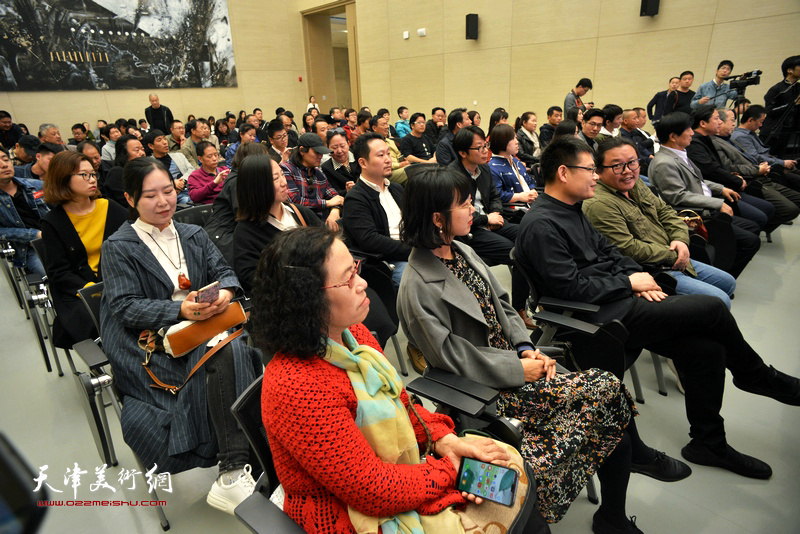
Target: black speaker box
column 472, row 26
column 649, row 8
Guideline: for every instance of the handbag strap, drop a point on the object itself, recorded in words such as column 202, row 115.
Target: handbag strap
column 158, row 384
column 298, row 215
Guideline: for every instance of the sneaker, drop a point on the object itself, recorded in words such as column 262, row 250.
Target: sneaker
column 601, row 526
column 227, row 497
column 777, row 385
column 730, row 459
column 663, row 468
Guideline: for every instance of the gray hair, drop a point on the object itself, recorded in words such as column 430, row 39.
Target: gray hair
column 46, row 126
column 723, row 114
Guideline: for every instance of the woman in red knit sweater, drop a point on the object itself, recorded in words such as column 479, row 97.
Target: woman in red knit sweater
column 338, row 473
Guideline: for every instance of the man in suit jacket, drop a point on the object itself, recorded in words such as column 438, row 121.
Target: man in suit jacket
column 371, row 211
column 592, row 124
column 681, row 185
column 664, row 102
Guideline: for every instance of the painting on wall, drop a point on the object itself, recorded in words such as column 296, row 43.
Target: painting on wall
column 61, row 45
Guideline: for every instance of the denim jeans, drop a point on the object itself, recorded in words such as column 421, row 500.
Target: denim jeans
column 183, row 197
column 397, row 274
column 32, row 263
column 234, row 450
column 709, row 281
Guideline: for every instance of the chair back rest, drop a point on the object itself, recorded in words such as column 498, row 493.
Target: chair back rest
column 91, row 296
column 247, row 412
column 198, row 215
column 534, row 294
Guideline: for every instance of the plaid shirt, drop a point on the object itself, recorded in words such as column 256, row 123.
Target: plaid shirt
column 307, row 187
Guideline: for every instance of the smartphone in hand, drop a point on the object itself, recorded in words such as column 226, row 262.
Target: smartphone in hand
column 489, row 481
column 209, row 294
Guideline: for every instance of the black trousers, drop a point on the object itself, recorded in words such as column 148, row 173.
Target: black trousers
column 234, row 450
column 494, row 247
column 702, row 338
column 746, row 233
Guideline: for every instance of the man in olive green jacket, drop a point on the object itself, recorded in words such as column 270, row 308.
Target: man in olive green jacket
column 643, row 226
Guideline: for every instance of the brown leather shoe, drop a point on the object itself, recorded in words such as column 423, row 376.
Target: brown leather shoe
column 417, row 359
column 529, row 324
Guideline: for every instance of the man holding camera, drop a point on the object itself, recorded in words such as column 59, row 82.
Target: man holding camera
column 715, row 92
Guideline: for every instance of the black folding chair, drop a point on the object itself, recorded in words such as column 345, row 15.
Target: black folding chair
column 195, row 215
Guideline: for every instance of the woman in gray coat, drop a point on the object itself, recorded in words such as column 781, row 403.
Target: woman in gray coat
column 152, row 270
column 455, row 311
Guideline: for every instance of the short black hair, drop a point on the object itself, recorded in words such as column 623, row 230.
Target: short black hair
column 4, row 114
column 400, row 110
column 727, row 62
column 202, row 146
column 560, row 151
column 565, row 127
column 52, row 148
column 673, row 123
column 416, row 116
column 274, row 126
column 363, row 116
column 292, row 265
column 77, row 125
column 151, row 137
column 610, row 143
column 501, row 135
column 753, row 112
column 592, row 113
column 584, row 82
column 173, row 123
column 455, row 116
column 121, row 149
column 702, row 112
column 674, row 78
column 684, row 73
column 279, row 111
column 553, row 109
column 256, row 109
column 464, row 138
column 611, row 112
column 381, row 112
column 318, row 120
column 330, row 111
column 434, row 110
column 86, row 142
column 360, row 146
column 432, row 190
column 246, row 127
column 789, row 63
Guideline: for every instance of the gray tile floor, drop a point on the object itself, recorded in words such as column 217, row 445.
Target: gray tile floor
column 43, row 417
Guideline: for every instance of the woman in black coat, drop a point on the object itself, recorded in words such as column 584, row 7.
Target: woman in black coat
column 263, row 212
column 72, row 234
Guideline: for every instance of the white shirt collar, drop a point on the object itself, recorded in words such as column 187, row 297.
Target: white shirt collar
column 386, row 183
column 148, row 228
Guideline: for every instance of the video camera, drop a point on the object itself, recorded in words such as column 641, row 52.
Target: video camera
column 748, row 78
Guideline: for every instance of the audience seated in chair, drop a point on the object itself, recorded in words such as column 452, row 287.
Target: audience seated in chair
column 454, row 310
column 37, row 169
column 206, row 182
column 546, row 131
column 110, row 133
column 176, row 163
column 146, row 266
column 528, row 139
column 644, row 227
column 21, row 213
column 307, row 183
column 436, row 126
column 568, row 259
column 399, row 162
column 612, row 119
column 177, row 137
column 127, row 148
column 417, row 147
column 341, row 467
column 371, row 210
column 590, row 127
column 456, row 120
column 247, row 134
column 72, row 234
column 340, row 168
column 680, row 183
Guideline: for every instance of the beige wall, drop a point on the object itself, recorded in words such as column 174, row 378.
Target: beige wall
column 529, row 54
column 341, row 67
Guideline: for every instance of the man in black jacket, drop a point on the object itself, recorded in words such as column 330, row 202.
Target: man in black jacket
column 554, row 116
column 158, row 117
column 568, row 259
column 456, row 120
column 492, row 237
column 436, row 126
column 371, row 211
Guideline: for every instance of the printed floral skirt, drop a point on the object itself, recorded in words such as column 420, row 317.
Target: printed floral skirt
column 570, row 425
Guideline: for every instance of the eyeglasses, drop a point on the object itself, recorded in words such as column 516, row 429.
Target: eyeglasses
column 280, row 137
column 482, row 148
column 595, row 125
column 350, row 281
column 591, row 169
column 86, row 175
column 619, row 168
column 420, row 122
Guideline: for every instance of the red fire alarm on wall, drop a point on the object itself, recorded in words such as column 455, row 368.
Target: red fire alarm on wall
column 299, row 78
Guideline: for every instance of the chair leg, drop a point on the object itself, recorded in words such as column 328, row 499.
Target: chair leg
column 95, row 415
column 662, row 387
column 162, row 517
column 49, row 335
column 637, row 386
column 39, row 331
column 401, row 356
column 591, row 491
column 19, row 282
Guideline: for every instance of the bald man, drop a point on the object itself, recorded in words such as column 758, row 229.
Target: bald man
column 158, row 117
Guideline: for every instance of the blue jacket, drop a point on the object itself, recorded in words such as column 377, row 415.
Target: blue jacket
column 11, row 227
column 505, row 180
column 173, row 431
column 719, row 95
column 230, row 152
column 402, row 127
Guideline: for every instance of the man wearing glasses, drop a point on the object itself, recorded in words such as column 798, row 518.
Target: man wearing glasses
column 567, row 258
column 592, row 124
column 416, row 146
column 644, row 227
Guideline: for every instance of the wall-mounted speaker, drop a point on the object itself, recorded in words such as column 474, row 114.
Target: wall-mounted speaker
column 649, row 8
column 472, row 26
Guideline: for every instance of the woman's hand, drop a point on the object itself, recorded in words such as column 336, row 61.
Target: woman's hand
column 484, row 449
column 199, row 311
column 536, row 365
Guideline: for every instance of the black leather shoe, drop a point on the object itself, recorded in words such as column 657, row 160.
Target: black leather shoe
column 601, row 526
column 731, row 459
column 777, row 385
column 664, row 468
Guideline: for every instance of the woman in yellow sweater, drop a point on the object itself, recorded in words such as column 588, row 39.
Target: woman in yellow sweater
column 72, row 233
